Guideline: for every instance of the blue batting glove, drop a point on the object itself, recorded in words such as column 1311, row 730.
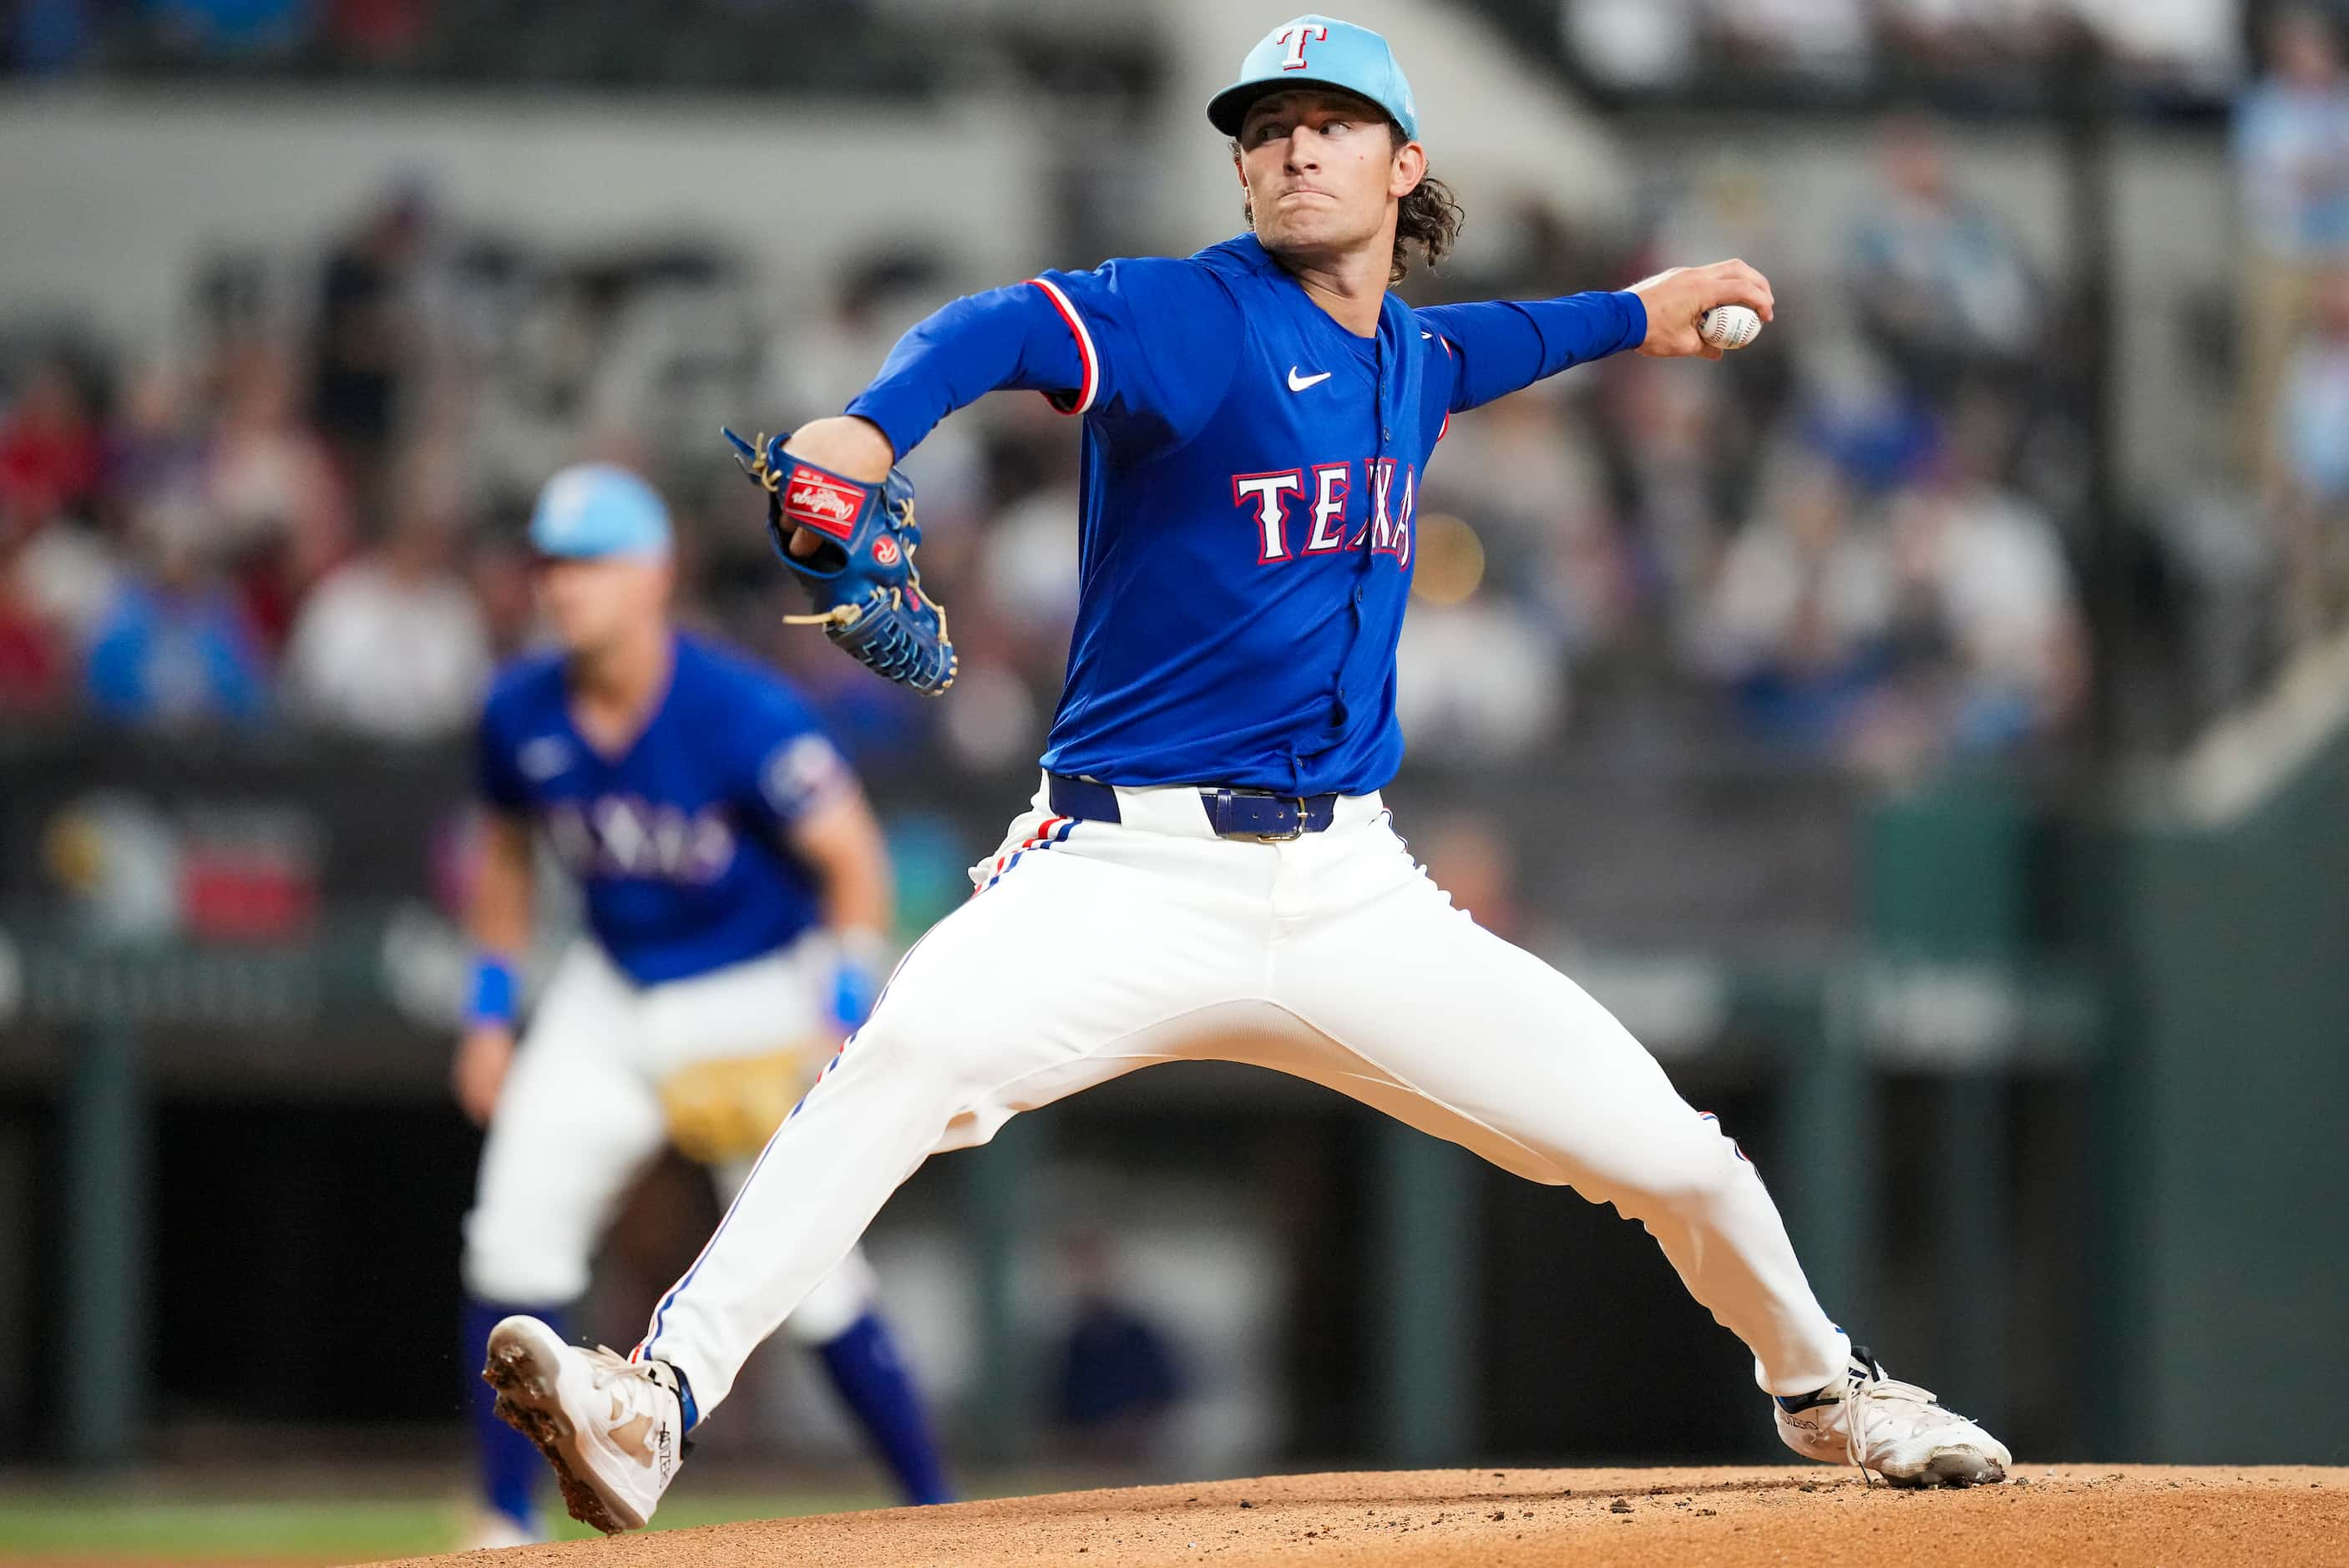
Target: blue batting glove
column 857, row 978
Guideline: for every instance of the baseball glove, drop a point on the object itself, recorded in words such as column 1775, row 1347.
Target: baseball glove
column 867, row 592
column 726, row 1108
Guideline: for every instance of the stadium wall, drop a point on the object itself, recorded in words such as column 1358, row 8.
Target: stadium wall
column 2230, row 1189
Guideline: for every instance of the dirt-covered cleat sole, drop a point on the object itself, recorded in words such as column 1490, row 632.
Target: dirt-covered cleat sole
column 564, row 1399
column 1962, row 1465
column 527, row 1403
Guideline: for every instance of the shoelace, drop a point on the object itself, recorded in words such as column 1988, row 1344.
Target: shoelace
column 1855, row 1401
column 1865, row 1392
column 609, row 1367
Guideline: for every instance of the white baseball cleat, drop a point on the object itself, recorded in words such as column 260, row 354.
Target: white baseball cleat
column 491, row 1531
column 613, row 1429
column 1896, row 1429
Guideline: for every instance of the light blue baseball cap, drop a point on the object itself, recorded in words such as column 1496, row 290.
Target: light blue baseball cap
column 593, row 510
column 1317, row 50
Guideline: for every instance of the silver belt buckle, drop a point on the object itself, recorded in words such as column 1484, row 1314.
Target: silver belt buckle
column 1296, row 833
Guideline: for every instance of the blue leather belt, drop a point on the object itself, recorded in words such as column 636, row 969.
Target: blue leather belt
column 1232, row 813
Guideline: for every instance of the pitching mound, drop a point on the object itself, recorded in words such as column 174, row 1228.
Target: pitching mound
column 2126, row 1516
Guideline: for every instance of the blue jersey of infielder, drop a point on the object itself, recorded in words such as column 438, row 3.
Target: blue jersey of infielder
column 678, row 842
column 696, row 1011
column 1251, row 469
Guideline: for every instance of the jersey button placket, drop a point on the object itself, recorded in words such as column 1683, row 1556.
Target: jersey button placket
column 1339, row 712
column 1386, row 431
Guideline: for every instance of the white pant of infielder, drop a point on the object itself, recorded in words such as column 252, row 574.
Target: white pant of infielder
column 1094, row 948
column 580, row 1116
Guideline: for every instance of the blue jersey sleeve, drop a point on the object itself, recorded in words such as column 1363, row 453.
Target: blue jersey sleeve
column 1156, row 337
column 1503, row 347
column 494, row 770
column 1004, row 338
column 1143, row 347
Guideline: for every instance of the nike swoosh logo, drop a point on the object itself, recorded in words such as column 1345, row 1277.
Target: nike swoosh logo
column 1300, row 383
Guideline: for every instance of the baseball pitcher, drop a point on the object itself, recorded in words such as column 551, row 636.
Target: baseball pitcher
column 1207, row 870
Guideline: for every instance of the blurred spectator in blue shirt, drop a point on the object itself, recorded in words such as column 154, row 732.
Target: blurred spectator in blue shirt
column 1118, row 1379
column 153, row 448
column 1800, row 619
column 229, row 27
column 173, row 648
column 2292, row 161
column 1940, row 281
column 2291, row 143
column 2313, row 451
column 2314, row 418
column 50, row 37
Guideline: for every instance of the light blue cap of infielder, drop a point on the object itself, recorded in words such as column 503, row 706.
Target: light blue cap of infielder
column 593, row 510
column 1317, row 50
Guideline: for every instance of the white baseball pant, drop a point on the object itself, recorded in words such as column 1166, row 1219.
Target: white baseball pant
column 580, row 1116
column 1091, row 949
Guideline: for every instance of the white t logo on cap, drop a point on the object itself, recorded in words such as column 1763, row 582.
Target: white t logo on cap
column 567, row 501
column 1294, row 36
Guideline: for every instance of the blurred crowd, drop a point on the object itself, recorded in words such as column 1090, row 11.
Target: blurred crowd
column 2291, row 160
column 888, row 49
column 2167, row 51
column 1857, row 545
column 1854, row 541
column 2177, row 51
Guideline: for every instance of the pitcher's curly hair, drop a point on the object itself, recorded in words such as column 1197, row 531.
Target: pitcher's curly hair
column 1430, row 217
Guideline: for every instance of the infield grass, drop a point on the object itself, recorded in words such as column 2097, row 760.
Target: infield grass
column 95, row 1525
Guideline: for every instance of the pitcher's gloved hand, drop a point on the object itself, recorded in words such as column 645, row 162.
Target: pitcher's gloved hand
column 861, row 576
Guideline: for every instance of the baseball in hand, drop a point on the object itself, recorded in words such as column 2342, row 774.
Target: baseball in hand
column 1730, row 326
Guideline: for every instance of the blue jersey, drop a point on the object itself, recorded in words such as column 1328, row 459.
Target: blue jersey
column 1251, row 472
column 679, row 840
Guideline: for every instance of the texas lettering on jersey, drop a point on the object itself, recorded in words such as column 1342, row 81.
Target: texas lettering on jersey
column 629, row 836
column 1267, row 498
column 678, row 840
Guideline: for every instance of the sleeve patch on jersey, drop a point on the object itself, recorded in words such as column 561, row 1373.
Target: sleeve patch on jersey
column 799, row 774
column 1083, row 399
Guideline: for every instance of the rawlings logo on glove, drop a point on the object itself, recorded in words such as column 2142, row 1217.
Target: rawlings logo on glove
column 867, row 592
column 821, row 503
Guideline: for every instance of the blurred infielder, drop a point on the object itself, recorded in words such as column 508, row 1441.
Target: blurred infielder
column 1207, row 870
column 737, row 892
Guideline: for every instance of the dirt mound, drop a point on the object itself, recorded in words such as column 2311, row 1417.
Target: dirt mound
column 2064, row 1516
